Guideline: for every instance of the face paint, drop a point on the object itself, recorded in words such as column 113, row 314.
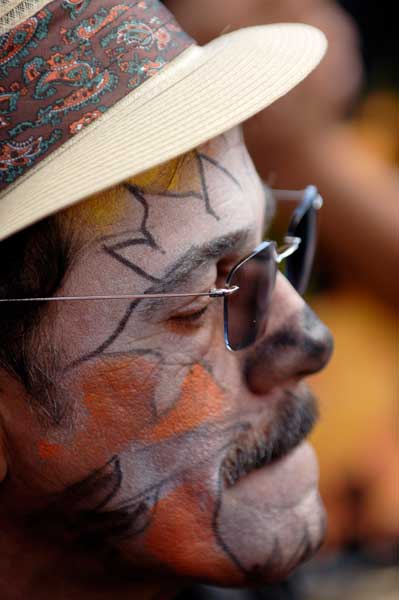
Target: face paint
column 167, row 536
column 95, row 216
column 163, row 178
column 200, row 401
column 48, row 451
column 120, row 398
column 152, row 410
column 116, row 404
column 118, row 393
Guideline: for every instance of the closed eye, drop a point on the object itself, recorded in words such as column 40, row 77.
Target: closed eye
column 190, row 317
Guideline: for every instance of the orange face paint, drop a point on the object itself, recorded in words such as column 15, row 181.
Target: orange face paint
column 117, row 396
column 185, row 514
column 118, row 392
column 200, row 401
column 47, row 451
column 181, row 534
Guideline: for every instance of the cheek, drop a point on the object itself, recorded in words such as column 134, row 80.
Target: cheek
column 117, row 405
column 199, row 401
column 118, row 399
column 181, row 533
column 113, row 404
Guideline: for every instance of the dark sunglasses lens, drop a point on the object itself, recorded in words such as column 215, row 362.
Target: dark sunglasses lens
column 299, row 265
column 246, row 310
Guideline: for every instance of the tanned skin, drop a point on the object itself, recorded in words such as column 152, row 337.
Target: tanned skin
column 141, row 469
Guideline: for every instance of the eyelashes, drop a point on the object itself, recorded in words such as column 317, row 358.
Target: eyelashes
column 190, row 317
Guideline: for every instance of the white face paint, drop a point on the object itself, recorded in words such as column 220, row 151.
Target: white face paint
column 164, row 427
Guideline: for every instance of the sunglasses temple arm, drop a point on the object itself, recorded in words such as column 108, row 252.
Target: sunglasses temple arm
column 287, row 195
column 212, row 293
column 299, row 195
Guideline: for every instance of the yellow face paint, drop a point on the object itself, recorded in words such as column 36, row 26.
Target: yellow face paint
column 96, row 213
column 166, row 177
column 103, row 209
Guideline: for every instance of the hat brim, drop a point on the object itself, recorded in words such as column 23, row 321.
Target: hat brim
column 204, row 92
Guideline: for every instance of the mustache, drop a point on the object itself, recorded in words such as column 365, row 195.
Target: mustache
column 259, row 446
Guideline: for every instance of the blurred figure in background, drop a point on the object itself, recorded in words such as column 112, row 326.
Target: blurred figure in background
column 333, row 131
column 305, row 136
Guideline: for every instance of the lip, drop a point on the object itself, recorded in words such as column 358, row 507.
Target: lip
column 271, row 437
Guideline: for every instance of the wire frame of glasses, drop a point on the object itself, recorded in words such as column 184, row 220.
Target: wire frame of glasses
column 292, row 243
column 212, row 293
column 246, row 312
column 249, row 286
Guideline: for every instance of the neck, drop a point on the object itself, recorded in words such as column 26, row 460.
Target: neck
column 40, row 570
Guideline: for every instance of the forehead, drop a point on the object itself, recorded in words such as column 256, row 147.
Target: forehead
column 205, row 194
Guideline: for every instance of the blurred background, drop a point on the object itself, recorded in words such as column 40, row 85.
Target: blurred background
column 339, row 130
column 357, row 439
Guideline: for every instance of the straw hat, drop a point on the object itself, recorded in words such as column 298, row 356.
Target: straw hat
column 93, row 92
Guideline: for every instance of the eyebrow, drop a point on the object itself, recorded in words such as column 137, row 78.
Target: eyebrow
column 195, row 258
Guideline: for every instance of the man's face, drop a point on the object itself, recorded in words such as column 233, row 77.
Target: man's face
column 157, row 431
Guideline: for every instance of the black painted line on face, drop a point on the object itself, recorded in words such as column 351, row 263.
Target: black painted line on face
column 204, row 195
column 304, row 550
column 88, row 527
column 204, row 187
column 216, row 531
column 140, row 197
column 195, row 259
column 162, row 285
column 147, row 239
column 220, row 167
column 130, row 265
column 110, row 340
column 276, row 561
column 113, row 251
column 179, row 195
column 256, row 573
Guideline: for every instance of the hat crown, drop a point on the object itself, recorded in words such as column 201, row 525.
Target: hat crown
column 70, row 61
column 93, row 92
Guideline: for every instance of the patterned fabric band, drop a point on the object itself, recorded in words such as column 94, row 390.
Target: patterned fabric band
column 70, row 62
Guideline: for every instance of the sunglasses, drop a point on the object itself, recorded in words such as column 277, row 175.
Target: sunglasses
column 246, row 311
column 250, row 284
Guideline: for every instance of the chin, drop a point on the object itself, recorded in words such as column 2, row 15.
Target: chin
column 272, row 520
column 253, row 532
column 248, row 513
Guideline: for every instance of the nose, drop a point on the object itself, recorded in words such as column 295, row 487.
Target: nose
column 295, row 343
